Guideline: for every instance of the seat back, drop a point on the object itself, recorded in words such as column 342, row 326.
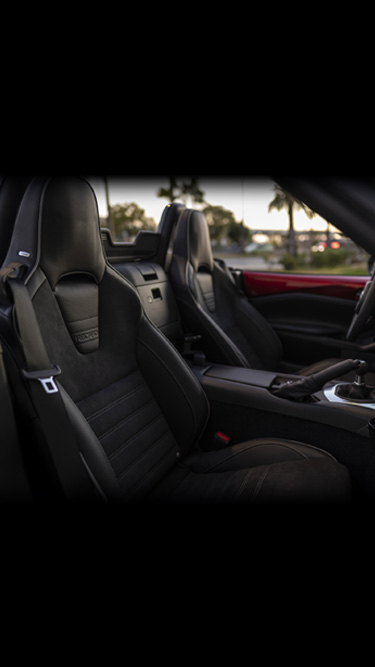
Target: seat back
column 135, row 407
column 211, row 304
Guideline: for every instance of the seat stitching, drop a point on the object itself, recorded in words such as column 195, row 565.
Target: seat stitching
column 144, row 453
column 135, row 436
column 229, row 479
column 114, row 403
column 260, row 483
column 127, row 418
column 93, row 319
column 243, row 486
column 144, row 479
column 107, row 386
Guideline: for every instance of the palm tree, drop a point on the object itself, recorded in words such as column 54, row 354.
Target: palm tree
column 182, row 189
column 284, row 200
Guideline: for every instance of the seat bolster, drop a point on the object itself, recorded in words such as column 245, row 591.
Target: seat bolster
column 259, row 451
column 274, row 469
column 247, row 328
column 175, row 388
column 263, row 471
column 92, row 452
column 260, row 336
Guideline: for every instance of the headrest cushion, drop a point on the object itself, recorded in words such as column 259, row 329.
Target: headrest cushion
column 192, row 240
column 70, row 241
column 57, row 227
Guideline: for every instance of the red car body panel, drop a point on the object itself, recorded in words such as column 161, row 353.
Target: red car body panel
column 262, row 284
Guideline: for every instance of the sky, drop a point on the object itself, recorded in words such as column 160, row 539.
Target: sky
column 247, row 197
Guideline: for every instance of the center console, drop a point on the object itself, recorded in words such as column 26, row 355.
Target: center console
column 261, row 390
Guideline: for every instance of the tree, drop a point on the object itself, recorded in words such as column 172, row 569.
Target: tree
column 240, row 234
column 222, row 224
column 218, row 219
column 182, row 189
column 129, row 219
column 284, row 200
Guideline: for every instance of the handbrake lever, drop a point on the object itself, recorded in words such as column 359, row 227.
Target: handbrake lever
column 309, row 384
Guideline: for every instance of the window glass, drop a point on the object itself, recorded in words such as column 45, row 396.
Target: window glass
column 254, row 225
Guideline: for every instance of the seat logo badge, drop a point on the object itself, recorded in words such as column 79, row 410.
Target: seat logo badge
column 24, row 253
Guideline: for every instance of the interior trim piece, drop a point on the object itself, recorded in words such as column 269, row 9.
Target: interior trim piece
column 331, row 395
column 258, row 283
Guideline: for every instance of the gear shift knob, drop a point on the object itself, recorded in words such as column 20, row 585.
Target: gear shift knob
column 357, row 389
column 360, row 373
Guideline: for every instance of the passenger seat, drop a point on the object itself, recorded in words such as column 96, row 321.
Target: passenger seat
column 210, row 303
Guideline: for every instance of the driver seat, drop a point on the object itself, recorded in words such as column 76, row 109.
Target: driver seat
column 233, row 331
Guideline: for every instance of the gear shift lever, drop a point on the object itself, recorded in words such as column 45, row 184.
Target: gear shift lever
column 308, row 384
column 357, row 389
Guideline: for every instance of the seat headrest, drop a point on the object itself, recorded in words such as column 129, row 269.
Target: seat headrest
column 12, row 189
column 192, row 240
column 58, row 229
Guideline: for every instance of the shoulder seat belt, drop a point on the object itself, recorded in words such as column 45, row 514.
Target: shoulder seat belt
column 76, row 480
column 14, row 484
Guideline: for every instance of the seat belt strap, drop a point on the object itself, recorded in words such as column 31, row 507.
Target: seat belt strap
column 14, row 484
column 70, row 467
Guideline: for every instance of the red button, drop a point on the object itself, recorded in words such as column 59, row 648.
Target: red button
column 222, row 437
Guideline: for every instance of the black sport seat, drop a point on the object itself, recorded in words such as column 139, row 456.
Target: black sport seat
column 136, row 410
column 210, row 303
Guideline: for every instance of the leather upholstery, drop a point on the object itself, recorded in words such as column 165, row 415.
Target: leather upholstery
column 136, row 408
column 233, row 331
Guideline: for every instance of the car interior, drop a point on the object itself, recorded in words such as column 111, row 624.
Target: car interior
column 142, row 377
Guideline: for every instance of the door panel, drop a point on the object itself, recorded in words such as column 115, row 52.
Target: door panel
column 310, row 313
column 259, row 284
column 306, row 313
column 310, row 326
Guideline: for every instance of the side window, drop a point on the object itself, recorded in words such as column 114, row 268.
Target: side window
column 269, row 230
column 254, row 224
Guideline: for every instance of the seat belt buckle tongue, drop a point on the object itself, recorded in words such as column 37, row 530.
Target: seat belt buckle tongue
column 45, row 378
column 49, row 385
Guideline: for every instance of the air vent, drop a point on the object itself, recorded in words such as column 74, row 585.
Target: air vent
column 150, row 276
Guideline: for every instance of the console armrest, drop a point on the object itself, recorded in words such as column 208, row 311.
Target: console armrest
column 249, row 388
column 242, row 375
